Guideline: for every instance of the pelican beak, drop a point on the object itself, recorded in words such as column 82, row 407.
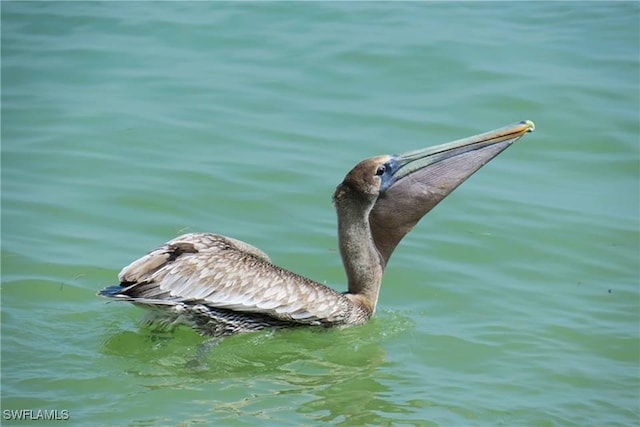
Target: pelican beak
column 420, row 179
column 472, row 147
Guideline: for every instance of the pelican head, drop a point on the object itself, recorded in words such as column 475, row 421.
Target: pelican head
column 396, row 191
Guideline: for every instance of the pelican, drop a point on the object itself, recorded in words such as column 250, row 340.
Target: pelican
column 222, row 286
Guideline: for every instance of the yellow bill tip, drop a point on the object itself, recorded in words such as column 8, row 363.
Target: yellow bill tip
column 531, row 126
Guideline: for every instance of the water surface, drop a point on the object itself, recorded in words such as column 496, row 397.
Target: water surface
column 515, row 302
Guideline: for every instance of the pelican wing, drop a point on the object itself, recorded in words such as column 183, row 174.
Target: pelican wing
column 225, row 273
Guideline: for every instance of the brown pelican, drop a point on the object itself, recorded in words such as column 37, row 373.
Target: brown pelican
column 222, row 286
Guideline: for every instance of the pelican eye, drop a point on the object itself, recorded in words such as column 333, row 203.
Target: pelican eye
column 381, row 170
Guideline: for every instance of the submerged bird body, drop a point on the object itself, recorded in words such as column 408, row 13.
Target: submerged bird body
column 222, row 286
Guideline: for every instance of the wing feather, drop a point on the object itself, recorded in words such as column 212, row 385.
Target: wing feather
column 225, row 273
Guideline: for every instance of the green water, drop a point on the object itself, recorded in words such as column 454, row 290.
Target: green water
column 514, row 303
